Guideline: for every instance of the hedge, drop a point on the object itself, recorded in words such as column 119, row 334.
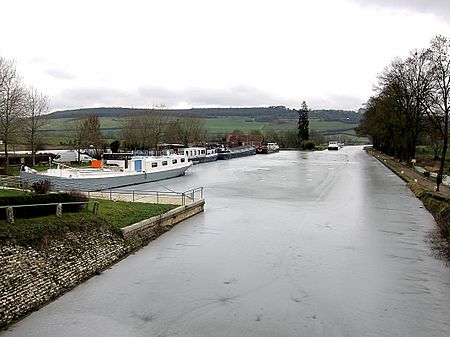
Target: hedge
column 33, row 199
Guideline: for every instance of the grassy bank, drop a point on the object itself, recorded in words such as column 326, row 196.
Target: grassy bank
column 111, row 216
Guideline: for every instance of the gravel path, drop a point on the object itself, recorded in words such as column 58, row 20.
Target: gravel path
column 408, row 174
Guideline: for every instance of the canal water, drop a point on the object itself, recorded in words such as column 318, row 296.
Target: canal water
column 290, row 244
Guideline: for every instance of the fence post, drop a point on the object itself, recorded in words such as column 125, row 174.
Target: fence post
column 183, row 199
column 9, row 214
column 157, row 197
column 95, row 209
column 59, row 210
column 133, row 195
column 110, row 195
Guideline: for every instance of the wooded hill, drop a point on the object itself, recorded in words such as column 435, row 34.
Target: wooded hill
column 259, row 114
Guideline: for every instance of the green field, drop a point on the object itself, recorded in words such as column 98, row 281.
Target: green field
column 318, row 125
column 58, row 131
column 63, row 124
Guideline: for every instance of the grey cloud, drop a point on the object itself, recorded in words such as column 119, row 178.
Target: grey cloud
column 146, row 96
column 60, row 74
column 440, row 8
column 152, row 95
column 38, row 60
column 92, row 96
column 345, row 102
column 234, row 96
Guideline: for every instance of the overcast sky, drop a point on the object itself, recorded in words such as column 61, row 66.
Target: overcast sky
column 208, row 53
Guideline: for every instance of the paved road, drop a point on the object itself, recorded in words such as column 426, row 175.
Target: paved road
column 291, row 244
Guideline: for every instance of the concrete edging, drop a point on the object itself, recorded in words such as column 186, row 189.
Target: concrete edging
column 166, row 221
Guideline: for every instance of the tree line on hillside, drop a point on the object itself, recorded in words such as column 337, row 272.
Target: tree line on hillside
column 21, row 109
column 412, row 100
column 259, row 114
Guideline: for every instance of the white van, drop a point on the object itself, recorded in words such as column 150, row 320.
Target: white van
column 70, row 156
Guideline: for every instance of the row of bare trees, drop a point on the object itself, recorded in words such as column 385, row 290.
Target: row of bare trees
column 146, row 130
column 412, row 99
column 21, row 109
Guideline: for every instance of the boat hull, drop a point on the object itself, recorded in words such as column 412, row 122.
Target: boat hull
column 236, row 153
column 101, row 183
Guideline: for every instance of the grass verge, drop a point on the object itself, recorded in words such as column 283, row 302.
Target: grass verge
column 120, row 214
column 112, row 216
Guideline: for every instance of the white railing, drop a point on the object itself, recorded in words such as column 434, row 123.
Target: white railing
column 156, row 197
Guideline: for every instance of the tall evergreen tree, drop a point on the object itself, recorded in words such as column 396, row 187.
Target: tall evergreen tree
column 303, row 123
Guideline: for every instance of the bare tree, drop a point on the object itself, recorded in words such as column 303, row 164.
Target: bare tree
column 438, row 105
column 92, row 136
column 172, row 132
column 131, row 128
column 158, row 120
column 86, row 134
column 192, row 130
column 11, row 100
column 145, row 130
column 404, row 87
column 35, row 107
column 76, row 134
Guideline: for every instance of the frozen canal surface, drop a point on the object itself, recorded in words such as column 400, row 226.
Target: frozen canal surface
column 291, row 244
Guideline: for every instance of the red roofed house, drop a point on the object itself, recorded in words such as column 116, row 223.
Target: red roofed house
column 238, row 139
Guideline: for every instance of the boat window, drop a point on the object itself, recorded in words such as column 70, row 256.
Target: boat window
column 154, row 164
column 164, row 163
column 182, row 160
column 174, row 161
column 203, row 151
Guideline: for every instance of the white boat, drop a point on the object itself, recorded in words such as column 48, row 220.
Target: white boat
column 333, row 146
column 199, row 154
column 117, row 169
column 268, row 148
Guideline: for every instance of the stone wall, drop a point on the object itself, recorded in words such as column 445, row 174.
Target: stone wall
column 31, row 277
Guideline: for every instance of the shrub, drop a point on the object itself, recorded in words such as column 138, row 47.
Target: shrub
column 32, row 199
column 41, row 186
column 308, row 145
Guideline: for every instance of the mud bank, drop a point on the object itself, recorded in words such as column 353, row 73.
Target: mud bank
column 33, row 276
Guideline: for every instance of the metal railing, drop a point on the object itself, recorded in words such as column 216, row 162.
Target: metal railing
column 10, row 182
column 117, row 194
column 58, row 208
column 156, row 197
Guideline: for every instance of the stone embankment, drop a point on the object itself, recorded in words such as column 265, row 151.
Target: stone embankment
column 33, row 276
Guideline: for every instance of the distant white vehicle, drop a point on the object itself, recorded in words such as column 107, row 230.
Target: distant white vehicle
column 333, row 146
column 69, row 156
